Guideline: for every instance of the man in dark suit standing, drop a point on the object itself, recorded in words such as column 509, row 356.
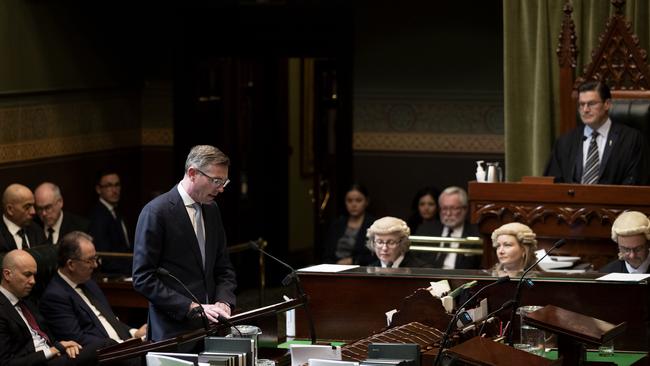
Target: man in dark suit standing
column 631, row 231
column 24, row 339
column 599, row 151
column 107, row 226
column 453, row 223
column 181, row 231
column 18, row 230
column 73, row 304
column 49, row 208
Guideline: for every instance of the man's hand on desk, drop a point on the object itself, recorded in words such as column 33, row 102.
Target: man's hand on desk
column 213, row 311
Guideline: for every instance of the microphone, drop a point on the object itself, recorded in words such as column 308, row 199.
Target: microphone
column 291, row 277
column 517, row 297
column 461, row 308
column 193, row 313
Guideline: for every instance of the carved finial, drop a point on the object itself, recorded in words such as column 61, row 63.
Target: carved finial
column 567, row 9
column 618, row 4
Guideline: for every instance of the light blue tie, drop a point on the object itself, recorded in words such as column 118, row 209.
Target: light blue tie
column 200, row 233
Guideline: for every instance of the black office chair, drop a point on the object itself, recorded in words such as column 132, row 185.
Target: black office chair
column 634, row 113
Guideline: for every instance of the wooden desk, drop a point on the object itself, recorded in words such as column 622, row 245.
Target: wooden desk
column 581, row 214
column 128, row 305
column 350, row 305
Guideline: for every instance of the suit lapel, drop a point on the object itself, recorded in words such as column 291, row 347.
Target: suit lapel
column 14, row 316
column 9, row 239
column 610, row 143
column 577, row 156
column 80, row 302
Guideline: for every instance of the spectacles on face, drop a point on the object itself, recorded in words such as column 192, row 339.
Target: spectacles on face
column 88, row 261
column 637, row 251
column 219, row 182
column 454, row 209
column 388, row 243
column 590, row 104
column 46, row 207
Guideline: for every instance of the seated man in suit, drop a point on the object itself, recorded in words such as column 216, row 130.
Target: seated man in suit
column 73, row 304
column 598, row 151
column 49, row 207
column 17, row 230
column 24, row 339
column 631, row 231
column 107, row 226
column 453, row 223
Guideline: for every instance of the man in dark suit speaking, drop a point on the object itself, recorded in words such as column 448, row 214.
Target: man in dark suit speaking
column 599, row 151
column 181, row 231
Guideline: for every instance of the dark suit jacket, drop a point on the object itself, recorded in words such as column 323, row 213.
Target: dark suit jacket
column 165, row 238
column 7, row 243
column 71, row 222
column 361, row 255
column 108, row 236
column 617, row 266
column 16, row 345
column 409, row 261
column 69, row 317
column 462, row 261
column 623, row 161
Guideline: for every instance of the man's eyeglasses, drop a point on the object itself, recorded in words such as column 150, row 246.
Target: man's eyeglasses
column 454, row 209
column 219, row 182
column 388, row 243
column 90, row 260
column 110, row 185
column 589, row 104
column 46, row 207
column 638, row 250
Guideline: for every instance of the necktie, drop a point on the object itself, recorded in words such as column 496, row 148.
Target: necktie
column 107, row 313
column 31, row 320
column 440, row 258
column 592, row 164
column 50, row 236
column 200, row 234
column 23, row 237
column 122, row 225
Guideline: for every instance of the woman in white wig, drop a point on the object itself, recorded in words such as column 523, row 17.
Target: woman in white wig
column 631, row 231
column 388, row 238
column 515, row 247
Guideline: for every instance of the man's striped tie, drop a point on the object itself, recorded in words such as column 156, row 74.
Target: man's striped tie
column 592, row 165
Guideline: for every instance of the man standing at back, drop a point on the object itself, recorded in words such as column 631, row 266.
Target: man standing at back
column 107, row 226
column 17, row 229
column 598, row 151
column 181, row 232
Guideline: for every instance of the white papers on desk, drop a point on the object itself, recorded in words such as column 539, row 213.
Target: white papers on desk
column 328, row 268
column 554, row 262
column 301, row 353
column 439, row 288
column 624, row 277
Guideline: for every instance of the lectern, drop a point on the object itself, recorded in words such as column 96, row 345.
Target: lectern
column 480, row 351
column 573, row 331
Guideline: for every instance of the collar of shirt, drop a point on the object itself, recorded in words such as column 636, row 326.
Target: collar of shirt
column 396, row 264
column 456, row 232
column 602, row 130
column 67, row 279
column 643, row 268
column 187, row 200
column 13, row 228
column 56, row 226
column 110, row 207
column 11, row 297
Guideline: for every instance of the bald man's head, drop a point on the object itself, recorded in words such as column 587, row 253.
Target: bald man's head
column 18, row 273
column 48, row 203
column 18, row 204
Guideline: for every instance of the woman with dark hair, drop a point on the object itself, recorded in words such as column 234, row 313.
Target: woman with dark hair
column 424, row 208
column 346, row 237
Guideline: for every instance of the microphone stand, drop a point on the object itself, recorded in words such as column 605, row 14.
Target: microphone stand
column 445, row 336
column 292, row 277
column 517, row 297
column 164, row 272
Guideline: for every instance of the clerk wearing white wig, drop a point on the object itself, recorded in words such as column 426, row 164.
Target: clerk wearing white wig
column 515, row 246
column 631, row 231
column 388, row 238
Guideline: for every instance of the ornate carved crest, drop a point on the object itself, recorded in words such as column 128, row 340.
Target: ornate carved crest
column 530, row 215
column 566, row 50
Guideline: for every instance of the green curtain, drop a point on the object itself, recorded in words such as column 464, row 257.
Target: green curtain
column 531, row 71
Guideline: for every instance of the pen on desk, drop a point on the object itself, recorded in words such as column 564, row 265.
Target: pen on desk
column 505, row 329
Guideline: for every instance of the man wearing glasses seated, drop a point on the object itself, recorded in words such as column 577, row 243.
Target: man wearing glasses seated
column 73, row 304
column 598, row 151
column 631, row 232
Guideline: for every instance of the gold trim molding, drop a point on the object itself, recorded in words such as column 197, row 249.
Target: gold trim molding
column 428, row 142
column 81, row 144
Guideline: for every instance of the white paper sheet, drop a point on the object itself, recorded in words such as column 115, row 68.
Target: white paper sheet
column 328, row 268
column 624, row 277
column 301, row 353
